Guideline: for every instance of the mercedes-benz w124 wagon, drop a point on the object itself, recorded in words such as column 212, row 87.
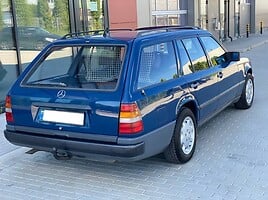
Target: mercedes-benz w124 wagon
column 125, row 94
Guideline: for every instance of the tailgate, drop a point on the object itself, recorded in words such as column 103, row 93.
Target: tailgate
column 77, row 93
column 78, row 111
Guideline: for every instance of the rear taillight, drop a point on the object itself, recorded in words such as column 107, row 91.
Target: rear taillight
column 130, row 119
column 9, row 115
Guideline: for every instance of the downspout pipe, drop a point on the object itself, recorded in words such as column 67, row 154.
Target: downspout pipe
column 105, row 8
column 228, row 19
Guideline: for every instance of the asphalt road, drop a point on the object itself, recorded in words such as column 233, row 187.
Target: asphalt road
column 230, row 162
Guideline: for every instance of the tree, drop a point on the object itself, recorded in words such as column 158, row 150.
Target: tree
column 61, row 16
column 24, row 13
column 44, row 14
column 96, row 16
column 1, row 17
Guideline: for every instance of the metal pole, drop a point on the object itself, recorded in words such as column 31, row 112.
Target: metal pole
column 15, row 36
column 72, row 17
column 106, row 14
column 85, row 16
column 248, row 30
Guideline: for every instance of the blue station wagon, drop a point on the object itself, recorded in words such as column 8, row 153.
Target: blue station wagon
column 125, row 94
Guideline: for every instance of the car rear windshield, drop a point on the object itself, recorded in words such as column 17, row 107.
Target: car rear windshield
column 89, row 67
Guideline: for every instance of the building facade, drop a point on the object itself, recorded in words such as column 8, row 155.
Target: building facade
column 23, row 22
column 226, row 19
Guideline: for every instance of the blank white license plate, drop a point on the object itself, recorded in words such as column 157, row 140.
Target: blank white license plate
column 55, row 116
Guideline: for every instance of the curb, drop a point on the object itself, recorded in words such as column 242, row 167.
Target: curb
column 253, row 46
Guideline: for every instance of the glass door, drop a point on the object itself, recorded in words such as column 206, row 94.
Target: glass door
column 8, row 55
column 88, row 15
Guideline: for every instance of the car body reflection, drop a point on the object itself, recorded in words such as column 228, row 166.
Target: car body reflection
column 30, row 38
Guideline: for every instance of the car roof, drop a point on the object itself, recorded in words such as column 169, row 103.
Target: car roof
column 131, row 34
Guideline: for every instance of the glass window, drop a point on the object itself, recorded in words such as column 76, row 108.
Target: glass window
column 161, row 4
column 203, row 13
column 161, row 20
column 8, row 57
column 196, row 53
column 38, row 24
column 169, row 12
column 92, row 16
column 157, row 64
column 154, row 20
column 214, row 50
column 54, row 65
column 173, row 20
column 94, row 67
column 172, row 4
column 184, row 59
column 153, row 5
column 6, row 38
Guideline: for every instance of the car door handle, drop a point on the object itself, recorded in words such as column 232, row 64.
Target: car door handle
column 220, row 75
column 195, row 85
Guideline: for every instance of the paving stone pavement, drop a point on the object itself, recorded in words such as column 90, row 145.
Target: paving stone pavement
column 230, row 162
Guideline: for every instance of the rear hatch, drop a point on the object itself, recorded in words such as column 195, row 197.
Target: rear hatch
column 74, row 90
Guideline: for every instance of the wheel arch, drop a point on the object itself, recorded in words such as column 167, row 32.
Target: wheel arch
column 188, row 102
column 248, row 69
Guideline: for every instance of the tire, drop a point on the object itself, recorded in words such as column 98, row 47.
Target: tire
column 247, row 95
column 185, row 132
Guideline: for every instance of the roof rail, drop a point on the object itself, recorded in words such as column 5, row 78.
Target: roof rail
column 82, row 33
column 156, row 29
column 166, row 27
column 94, row 32
column 120, row 29
column 143, row 31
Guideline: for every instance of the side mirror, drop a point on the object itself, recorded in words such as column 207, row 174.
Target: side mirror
column 232, row 56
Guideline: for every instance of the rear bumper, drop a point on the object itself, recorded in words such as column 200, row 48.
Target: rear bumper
column 125, row 149
column 71, row 146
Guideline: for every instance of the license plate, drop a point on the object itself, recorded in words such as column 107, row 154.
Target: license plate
column 74, row 118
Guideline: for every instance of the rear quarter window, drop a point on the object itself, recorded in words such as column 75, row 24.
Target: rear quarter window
column 157, row 64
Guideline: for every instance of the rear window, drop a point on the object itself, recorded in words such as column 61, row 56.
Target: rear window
column 90, row 67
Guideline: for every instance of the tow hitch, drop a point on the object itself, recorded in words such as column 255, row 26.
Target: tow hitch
column 62, row 155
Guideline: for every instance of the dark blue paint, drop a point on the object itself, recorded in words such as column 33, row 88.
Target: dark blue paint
column 159, row 103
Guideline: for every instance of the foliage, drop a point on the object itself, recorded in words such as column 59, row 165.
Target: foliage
column 96, row 16
column 199, row 66
column 1, row 17
column 45, row 15
column 61, row 16
column 24, row 13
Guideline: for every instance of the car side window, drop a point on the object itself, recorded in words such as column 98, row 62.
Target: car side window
column 196, row 54
column 184, row 59
column 214, row 50
column 157, row 64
